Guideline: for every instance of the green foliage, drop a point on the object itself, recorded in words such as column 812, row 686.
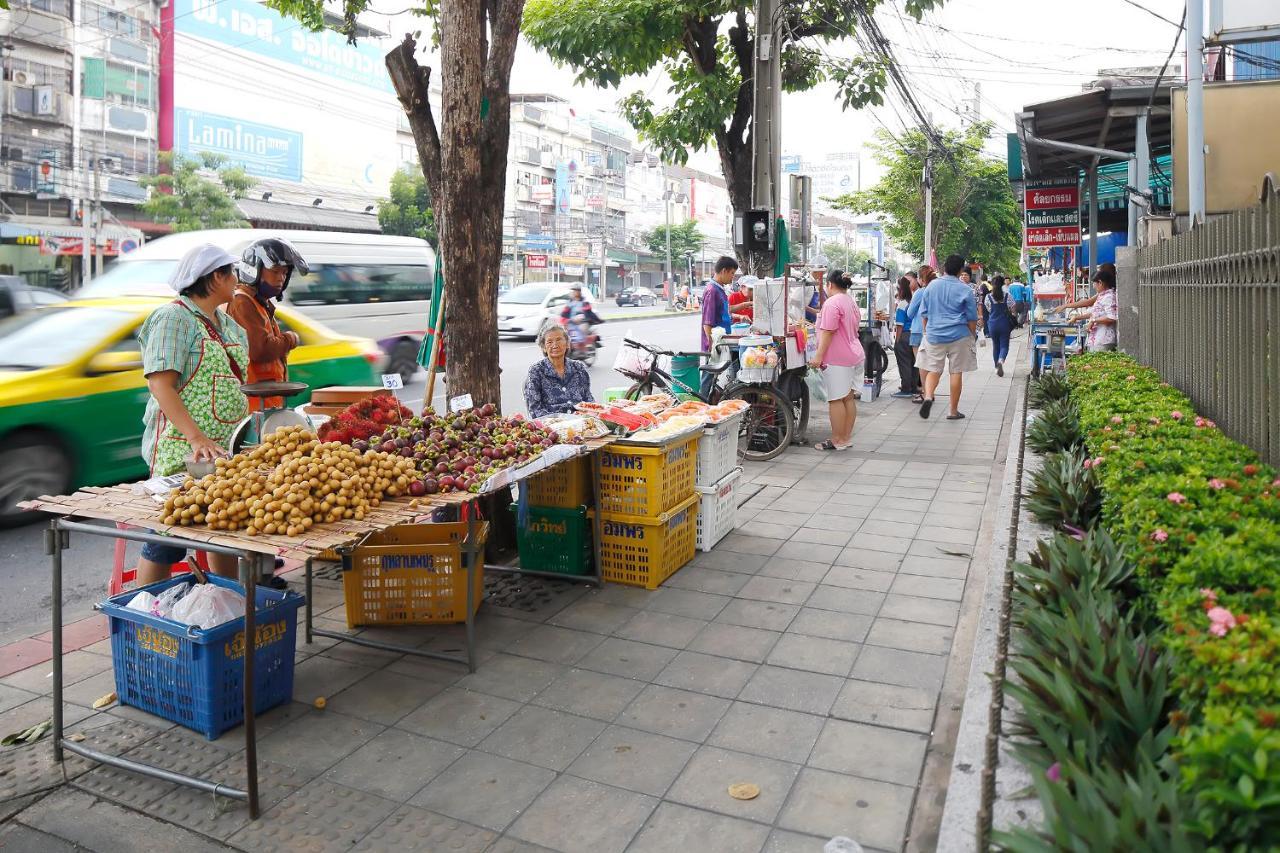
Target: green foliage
column 1233, row 769
column 1056, row 428
column 408, row 212
column 1046, row 389
column 1063, row 565
column 184, row 197
column 1065, row 492
column 686, row 240
column 975, row 213
column 846, row 257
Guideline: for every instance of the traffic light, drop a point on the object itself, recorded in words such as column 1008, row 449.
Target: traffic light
column 753, row 231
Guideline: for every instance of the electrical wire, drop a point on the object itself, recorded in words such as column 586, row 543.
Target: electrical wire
column 1155, row 87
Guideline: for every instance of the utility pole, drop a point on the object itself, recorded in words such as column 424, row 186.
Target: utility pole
column 98, row 260
column 86, row 224
column 976, row 116
column 927, row 179
column 766, row 129
column 1195, row 111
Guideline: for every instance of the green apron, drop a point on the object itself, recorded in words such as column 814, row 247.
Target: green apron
column 212, row 396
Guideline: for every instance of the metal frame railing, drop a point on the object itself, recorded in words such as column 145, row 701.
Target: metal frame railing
column 1209, row 319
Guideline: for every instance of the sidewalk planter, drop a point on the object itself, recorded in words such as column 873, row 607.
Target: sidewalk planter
column 554, row 540
column 412, row 574
column 194, row 677
column 718, row 509
column 567, row 485
column 647, row 481
column 718, row 451
column 641, row 551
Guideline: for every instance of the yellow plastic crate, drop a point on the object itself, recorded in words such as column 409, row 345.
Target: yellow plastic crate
column 564, row 486
column 647, row 481
column 645, row 552
column 411, row 574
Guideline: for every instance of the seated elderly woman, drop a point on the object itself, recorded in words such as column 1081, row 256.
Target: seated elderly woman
column 556, row 383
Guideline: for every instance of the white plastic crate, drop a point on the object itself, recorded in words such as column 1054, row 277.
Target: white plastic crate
column 718, row 451
column 718, row 513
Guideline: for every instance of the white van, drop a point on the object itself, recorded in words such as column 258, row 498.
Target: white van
column 345, row 267
column 524, row 311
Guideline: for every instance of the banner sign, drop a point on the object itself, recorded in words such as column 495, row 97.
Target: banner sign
column 47, row 173
column 536, row 262
column 1052, row 212
column 265, row 151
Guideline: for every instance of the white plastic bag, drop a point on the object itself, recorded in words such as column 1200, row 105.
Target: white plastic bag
column 817, row 388
column 142, row 602
column 208, row 606
column 163, row 603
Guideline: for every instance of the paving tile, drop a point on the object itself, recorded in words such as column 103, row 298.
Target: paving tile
column 507, row 844
column 794, row 689
column 843, row 600
column 596, row 617
column 320, row 816
column 839, row 519
column 483, row 789
column 76, row 666
column 589, row 694
column 674, row 827
column 814, row 654
column 871, row 752
column 831, row 804
column 795, row 570
column 770, row 732
column 887, row 705
column 925, row 587
column 383, row 697
column 911, row 636
column 731, row 561
column 705, row 783
column 579, row 816
column 620, row 595
column 766, row 615
column 813, row 622
column 12, row 697
column 329, row 737
column 459, row 716
column 638, row 761
column 557, row 645
column 769, row 530
column 691, row 603
column 856, row 578
column 735, row 641
column 936, row 567
column 218, row 817
column 16, row 838
column 864, row 558
column 903, row 668
column 948, row 535
column 543, row 736
column 819, row 536
column 85, row 823
column 678, row 713
column 752, row 543
column 876, row 542
column 811, row 551
column 782, row 841
column 661, row 629
column 362, row 655
column 628, row 658
column 911, row 608
column 24, row 654
column 322, row 676
column 394, row 765
column 516, row 678
column 414, row 830
column 777, row 590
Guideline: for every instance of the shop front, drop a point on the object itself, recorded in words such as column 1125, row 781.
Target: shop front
column 52, row 255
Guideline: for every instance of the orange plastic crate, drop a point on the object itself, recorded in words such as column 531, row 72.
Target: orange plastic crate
column 564, row 486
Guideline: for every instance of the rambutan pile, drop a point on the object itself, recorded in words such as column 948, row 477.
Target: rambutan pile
column 365, row 418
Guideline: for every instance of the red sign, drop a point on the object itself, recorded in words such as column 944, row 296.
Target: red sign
column 535, row 262
column 1043, row 238
column 1046, row 198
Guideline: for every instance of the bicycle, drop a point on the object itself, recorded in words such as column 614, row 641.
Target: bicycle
column 768, row 424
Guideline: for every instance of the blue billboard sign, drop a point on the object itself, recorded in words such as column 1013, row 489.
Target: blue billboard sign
column 265, row 151
column 249, row 26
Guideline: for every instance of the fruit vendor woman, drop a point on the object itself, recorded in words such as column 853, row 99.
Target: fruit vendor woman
column 264, row 271
column 195, row 358
column 556, row 383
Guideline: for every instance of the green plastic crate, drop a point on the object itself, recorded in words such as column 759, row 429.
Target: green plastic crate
column 555, row 540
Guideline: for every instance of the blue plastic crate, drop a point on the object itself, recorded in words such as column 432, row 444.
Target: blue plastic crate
column 194, row 677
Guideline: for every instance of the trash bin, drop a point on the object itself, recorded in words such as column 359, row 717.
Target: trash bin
column 684, row 369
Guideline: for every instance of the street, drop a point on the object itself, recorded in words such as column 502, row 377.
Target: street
column 87, row 565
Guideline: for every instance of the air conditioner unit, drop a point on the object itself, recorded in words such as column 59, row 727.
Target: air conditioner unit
column 23, row 78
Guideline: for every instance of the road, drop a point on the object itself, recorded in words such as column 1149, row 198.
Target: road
column 24, row 567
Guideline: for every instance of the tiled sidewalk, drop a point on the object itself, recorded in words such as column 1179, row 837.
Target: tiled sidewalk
column 806, row 655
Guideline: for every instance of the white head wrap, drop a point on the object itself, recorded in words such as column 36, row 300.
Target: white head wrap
column 748, row 281
column 198, row 262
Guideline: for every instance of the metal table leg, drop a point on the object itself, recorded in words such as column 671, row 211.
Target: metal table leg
column 53, row 544
column 475, row 557
column 308, row 602
column 597, row 523
column 250, row 566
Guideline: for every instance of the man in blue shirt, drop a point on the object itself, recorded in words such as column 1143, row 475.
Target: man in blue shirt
column 950, row 323
column 715, row 311
column 1021, row 295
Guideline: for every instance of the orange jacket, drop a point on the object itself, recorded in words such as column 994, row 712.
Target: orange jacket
column 268, row 346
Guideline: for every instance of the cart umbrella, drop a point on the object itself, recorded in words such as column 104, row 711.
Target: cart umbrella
column 435, row 318
column 783, row 245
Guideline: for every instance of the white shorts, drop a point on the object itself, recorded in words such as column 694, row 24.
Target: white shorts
column 958, row 356
column 840, row 381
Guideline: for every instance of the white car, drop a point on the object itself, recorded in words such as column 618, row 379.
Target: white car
column 524, row 311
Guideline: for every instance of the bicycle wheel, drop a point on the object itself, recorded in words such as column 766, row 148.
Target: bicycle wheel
column 767, row 425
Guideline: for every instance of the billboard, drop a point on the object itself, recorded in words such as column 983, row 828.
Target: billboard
column 263, row 150
column 1052, row 212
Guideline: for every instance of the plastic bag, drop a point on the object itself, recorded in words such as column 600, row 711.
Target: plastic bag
column 142, row 602
column 164, row 603
column 208, row 606
column 817, row 388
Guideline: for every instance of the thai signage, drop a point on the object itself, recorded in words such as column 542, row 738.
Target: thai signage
column 1052, row 212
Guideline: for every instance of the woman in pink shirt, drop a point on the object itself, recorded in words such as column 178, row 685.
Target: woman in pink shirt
column 840, row 358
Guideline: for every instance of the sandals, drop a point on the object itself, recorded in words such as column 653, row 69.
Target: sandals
column 958, row 416
column 829, row 445
column 918, row 399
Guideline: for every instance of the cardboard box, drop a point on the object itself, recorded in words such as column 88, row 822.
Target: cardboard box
column 344, row 395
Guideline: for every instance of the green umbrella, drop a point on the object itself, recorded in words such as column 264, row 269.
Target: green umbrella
column 435, row 317
column 783, row 248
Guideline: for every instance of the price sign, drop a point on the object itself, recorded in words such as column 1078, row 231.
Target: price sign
column 460, row 403
column 392, row 381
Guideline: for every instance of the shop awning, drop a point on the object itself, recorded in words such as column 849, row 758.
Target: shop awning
column 276, row 214
column 109, row 231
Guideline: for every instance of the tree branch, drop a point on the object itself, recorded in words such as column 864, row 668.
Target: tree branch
column 699, row 40
column 741, row 42
column 412, row 83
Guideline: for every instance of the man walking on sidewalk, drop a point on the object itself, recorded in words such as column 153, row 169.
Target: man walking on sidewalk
column 950, row 323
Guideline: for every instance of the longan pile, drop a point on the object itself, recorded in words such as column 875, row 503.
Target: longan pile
column 288, row 483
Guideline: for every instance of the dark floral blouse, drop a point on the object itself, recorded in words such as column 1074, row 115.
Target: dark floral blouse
column 548, row 393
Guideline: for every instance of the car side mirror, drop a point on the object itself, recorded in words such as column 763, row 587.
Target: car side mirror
column 113, row 362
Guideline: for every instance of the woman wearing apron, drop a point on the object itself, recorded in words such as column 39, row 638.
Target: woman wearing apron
column 195, row 359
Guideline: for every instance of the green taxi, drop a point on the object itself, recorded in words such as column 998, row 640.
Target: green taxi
column 72, row 392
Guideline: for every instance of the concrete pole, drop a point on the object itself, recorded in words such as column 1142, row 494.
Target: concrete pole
column 1142, row 175
column 671, row 285
column 927, row 179
column 1134, row 202
column 1093, row 220
column 1195, row 111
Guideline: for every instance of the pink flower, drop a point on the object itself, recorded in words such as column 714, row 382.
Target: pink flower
column 1176, row 498
column 1200, row 422
column 1098, row 461
column 1159, row 535
column 1116, row 419
column 1088, row 463
column 1220, row 621
column 1215, row 483
column 1054, row 773
column 1208, row 593
column 1176, row 415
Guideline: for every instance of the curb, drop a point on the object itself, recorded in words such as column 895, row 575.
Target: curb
column 652, row 315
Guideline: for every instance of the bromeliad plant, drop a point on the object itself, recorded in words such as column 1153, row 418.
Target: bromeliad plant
column 1056, row 428
column 1049, row 388
column 1065, row 490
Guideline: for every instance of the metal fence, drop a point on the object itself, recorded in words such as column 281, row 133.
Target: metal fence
column 1209, row 309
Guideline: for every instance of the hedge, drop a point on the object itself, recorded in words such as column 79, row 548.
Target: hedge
column 1200, row 516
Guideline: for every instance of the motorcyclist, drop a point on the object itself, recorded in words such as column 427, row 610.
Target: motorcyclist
column 264, row 271
column 578, row 316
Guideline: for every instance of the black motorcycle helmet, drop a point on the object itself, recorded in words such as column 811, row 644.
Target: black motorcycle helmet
column 269, row 253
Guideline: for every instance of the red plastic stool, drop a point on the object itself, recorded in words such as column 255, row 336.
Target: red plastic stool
column 121, row 576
